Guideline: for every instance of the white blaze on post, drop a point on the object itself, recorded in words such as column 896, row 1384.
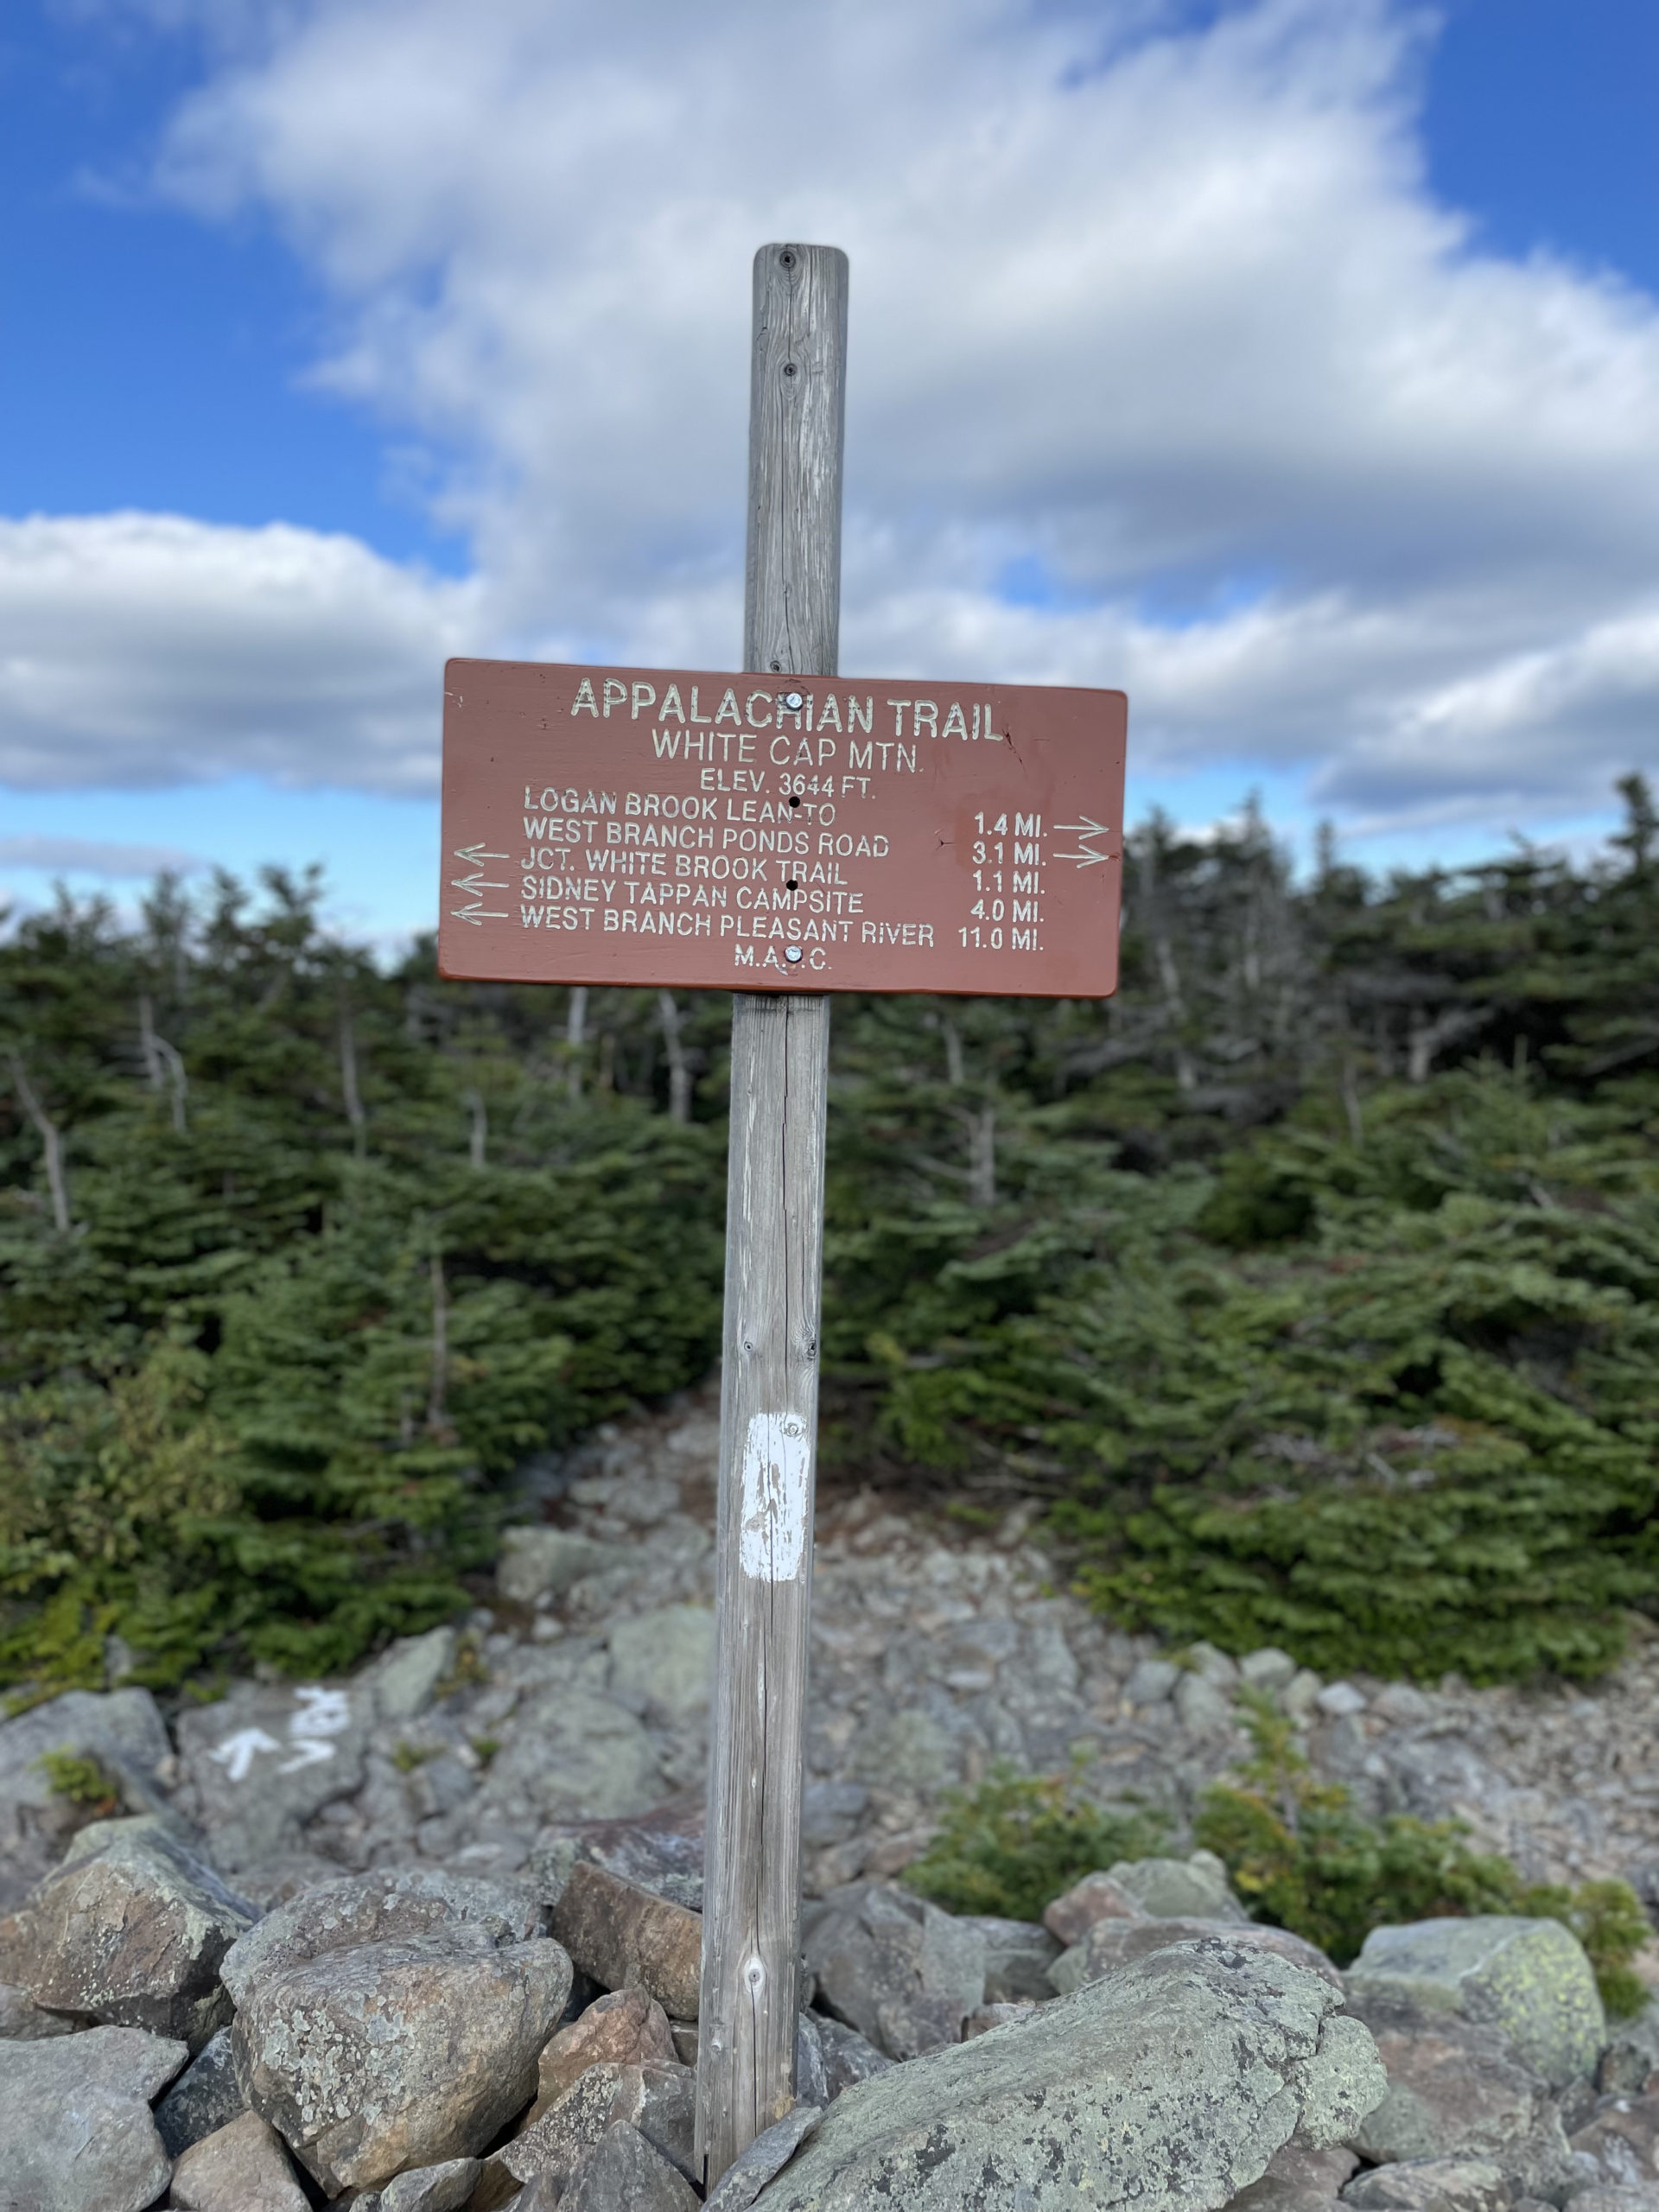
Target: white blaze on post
column 777, row 1463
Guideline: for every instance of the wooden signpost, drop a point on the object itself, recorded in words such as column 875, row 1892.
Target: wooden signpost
column 780, row 835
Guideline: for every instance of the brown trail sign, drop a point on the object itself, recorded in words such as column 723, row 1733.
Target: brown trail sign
column 672, row 826
column 781, row 835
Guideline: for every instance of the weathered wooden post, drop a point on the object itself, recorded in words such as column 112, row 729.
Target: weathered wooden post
column 783, row 836
column 774, row 1243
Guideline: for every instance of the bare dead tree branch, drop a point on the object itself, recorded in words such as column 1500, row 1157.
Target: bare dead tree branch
column 679, row 1071
column 163, row 1063
column 576, row 1031
column 349, row 1092
column 51, row 1140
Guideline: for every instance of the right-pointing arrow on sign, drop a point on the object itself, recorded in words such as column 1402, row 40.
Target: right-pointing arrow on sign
column 1087, row 829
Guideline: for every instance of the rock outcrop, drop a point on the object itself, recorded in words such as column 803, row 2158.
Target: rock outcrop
column 1175, row 2082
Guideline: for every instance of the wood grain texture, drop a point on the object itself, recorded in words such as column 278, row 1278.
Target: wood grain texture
column 774, row 1241
column 798, row 390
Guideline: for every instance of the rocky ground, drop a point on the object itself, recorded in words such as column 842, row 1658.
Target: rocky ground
column 583, row 1692
column 437, row 1839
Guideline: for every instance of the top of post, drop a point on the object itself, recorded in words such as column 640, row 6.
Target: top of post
column 791, row 617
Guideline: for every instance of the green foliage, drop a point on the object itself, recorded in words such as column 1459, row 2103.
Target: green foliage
column 360, row 1245
column 1301, row 1856
column 81, row 1782
column 1015, row 1843
column 1312, row 1286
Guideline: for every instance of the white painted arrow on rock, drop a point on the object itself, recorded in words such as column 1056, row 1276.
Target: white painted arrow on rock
column 237, row 1753
column 307, row 1752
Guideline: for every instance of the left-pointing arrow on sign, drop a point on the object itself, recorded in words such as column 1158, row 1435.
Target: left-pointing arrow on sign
column 477, row 883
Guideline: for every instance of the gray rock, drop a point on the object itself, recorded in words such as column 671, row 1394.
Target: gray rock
column 554, row 2145
column 1341, row 1701
column 626, row 2172
column 659, row 2100
column 573, row 1754
column 1457, row 2090
column 206, row 2097
column 1152, row 1681
column 626, row 2028
column 1632, row 2052
column 130, row 1930
column 1298, row 2180
column 1097, row 1897
column 1196, row 1888
column 1619, row 2147
column 405, row 1679
column 123, row 1729
column 385, row 1906
column 241, row 2168
column 1401, row 1706
column 1530, row 1978
column 1175, row 2081
column 78, row 2135
column 431, row 2188
column 271, row 1882
column 1268, row 1669
column 1205, row 1707
column 1298, row 1694
column 913, row 1744
column 1213, row 1665
column 1110, row 1945
column 665, row 1660
column 22, row 2020
column 626, row 1938
column 395, row 2054
column 1609, row 2196
column 767, row 2155
column 901, row 1972
column 543, row 1562
column 662, row 1852
column 1018, row 1955
column 264, row 1760
column 831, row 2056
column 832, row 1812
column 1430, row 2185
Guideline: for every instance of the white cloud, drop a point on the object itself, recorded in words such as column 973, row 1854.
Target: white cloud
column 96, row 857
column 1165, row 316
column 148, row 649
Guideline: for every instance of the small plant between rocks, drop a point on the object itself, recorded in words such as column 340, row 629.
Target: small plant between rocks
column 1018, row 1841
column 83, row 1783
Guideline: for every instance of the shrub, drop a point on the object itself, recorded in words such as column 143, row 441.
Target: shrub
column 82, row 1781
column 1302, row 1856
column 1017, row 1842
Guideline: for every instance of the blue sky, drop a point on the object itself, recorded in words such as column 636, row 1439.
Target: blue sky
column 1374, row 539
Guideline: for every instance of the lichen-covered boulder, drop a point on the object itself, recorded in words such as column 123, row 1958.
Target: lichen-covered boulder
column 130, row 1930
column 1170, row 2085
column 1457, row 2090
column 1195, row 1888
column 395, row 2055
column 1110, row 1945
column 383, row 1906
column 1530, row 1978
